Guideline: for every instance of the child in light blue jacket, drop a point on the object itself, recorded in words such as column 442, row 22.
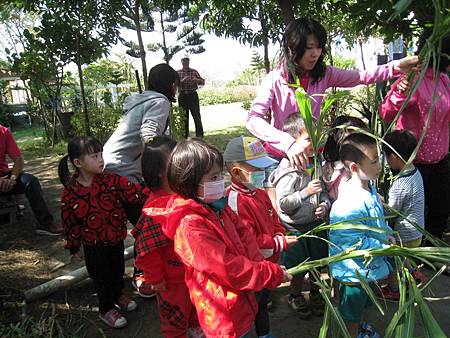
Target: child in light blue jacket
column 356, row 202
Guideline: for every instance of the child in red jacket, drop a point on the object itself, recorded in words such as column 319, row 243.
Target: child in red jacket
column 93, row 215
column 155, row 254
column 246, row 160
column 223, row 265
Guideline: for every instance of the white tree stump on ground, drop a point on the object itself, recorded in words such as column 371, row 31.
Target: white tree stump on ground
column 64, row 281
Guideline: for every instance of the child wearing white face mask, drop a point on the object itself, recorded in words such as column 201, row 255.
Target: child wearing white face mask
column 223, row 264
column 246, row 159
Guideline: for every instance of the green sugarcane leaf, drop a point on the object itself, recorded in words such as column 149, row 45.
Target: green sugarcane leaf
column 432, row 328
column 366, row 287
column 336, row 315
column 325, row 323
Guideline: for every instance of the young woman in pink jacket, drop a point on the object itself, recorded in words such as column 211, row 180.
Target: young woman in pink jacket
column 303, row 51
column 432, row 159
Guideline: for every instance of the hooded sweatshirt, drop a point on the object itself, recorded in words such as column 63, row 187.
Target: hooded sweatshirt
column 146, row 116
column 222, row 261
column 295, row 206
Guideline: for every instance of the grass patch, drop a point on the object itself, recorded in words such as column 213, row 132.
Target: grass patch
column 220, row 138
column 31, row 141
column 210, row 96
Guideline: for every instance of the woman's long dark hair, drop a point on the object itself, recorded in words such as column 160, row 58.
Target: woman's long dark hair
column 77, row 148
column 293, row 46
column 156, row 156
column 161, row 79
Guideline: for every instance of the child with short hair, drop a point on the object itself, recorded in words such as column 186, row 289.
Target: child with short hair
column 246, row 159
column 406, row 193
column 155, row 254
column 335, row 175
column 300, row 212
column 223, row 264
column 356, row 202
column 93, row 215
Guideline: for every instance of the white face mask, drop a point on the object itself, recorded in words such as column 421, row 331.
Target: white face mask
column 213, row 191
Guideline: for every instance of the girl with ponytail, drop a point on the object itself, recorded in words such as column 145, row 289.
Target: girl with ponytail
column 93, row 216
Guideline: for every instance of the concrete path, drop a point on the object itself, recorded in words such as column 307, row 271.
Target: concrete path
column 220, row 116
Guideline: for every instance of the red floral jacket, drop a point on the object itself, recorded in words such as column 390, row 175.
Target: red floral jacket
column 95, row 215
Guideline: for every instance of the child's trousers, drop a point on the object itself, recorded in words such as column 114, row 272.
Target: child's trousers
column 176, row 311
column 106, row 267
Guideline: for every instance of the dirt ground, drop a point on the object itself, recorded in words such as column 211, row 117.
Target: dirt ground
column 27, row 260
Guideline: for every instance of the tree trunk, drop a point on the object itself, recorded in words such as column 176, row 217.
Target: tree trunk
column 142, row 53
column 286, row 10
column 83, row 94
column 166, row 54
column 265, row 36
column 360, row 42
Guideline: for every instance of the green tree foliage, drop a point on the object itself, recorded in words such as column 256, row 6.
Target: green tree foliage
column 137, row 15
column 233, row 19
column 178, row 32
column 79, row 31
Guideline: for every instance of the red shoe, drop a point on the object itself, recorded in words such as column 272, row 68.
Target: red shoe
column 144, row 289
column 114, row 319
column 420, row 277
column 387, row 293
column 126, row 304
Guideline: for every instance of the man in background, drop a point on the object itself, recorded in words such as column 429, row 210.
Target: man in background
column 190, row 79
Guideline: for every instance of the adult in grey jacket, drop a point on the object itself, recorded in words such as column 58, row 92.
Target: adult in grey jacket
column 146, row 115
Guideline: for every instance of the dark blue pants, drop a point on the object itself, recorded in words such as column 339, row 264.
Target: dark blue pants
column 29, row 185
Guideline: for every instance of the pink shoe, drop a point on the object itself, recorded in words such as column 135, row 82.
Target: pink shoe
column 126, row 304
column 114, row 319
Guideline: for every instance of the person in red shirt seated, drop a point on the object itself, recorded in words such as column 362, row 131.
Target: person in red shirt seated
column 16, row 181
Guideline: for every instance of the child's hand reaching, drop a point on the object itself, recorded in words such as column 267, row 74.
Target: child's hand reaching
column 160, row 286
column 287, row 277
column 290, row 240
column 77, row 257
column 322, row 210
column 391, row 240
column 314, row 187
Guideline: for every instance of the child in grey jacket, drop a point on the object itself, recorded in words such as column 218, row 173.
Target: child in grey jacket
column 300, row 211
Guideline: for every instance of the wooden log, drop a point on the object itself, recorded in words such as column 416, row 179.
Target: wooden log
column 64, row 281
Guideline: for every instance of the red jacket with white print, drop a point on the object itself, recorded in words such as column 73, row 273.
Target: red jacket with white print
column 95, row 215
column 223, row 264
column 256, row 212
